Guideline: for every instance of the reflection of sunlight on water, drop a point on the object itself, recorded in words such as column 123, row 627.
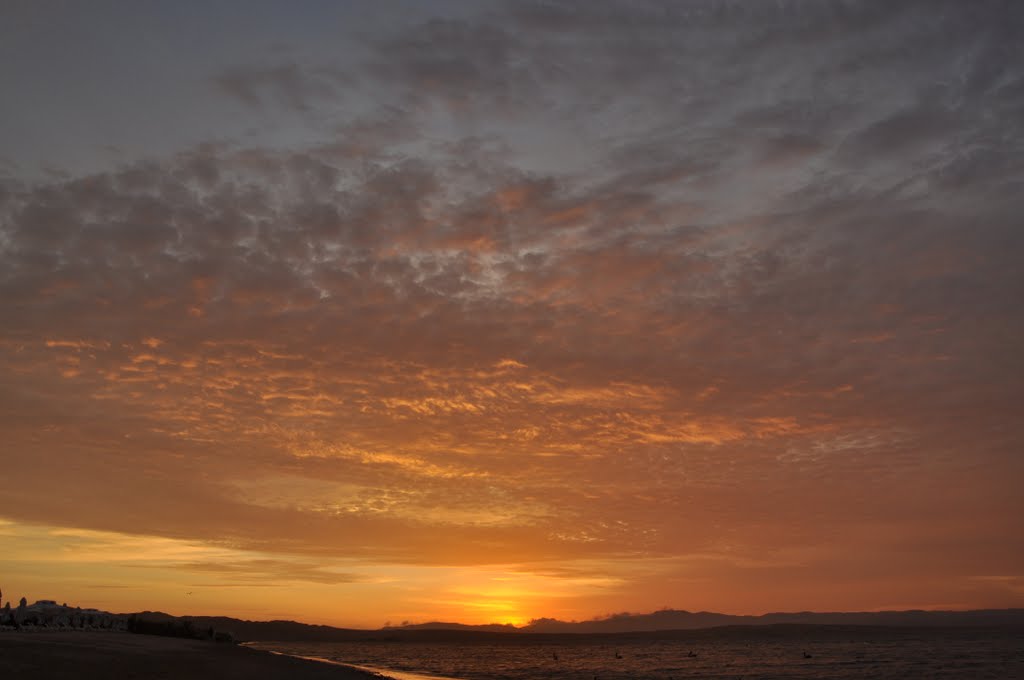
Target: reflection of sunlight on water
column 382, row 672
column 401, row 675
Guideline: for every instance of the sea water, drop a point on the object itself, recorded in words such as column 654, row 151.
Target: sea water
column 751, row 653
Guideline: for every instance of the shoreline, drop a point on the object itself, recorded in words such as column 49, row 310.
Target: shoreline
column 72, row 655
column 378, row 672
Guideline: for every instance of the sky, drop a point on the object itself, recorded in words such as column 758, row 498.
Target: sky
column 370, row 312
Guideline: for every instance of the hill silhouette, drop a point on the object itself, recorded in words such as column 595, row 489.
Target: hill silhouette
column 673, row 619
column 664, row 621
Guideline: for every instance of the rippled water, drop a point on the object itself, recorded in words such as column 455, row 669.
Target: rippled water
column 749, row 653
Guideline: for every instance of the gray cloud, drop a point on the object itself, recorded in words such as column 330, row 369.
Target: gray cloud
column 289, row 85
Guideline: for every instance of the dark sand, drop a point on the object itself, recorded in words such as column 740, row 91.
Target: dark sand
column 126, row 656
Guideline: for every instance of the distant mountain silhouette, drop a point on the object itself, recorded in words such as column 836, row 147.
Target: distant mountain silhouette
column 285, row 631
column 673, row 619
column 657, row 623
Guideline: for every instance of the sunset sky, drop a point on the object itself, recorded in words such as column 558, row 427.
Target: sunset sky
column 369, row 312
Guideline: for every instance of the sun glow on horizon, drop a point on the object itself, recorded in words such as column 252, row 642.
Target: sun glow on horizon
column 130, row 572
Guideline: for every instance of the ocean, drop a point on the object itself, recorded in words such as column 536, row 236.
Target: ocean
column 751, row 653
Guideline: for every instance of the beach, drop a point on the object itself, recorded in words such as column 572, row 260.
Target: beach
column 82, row 655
